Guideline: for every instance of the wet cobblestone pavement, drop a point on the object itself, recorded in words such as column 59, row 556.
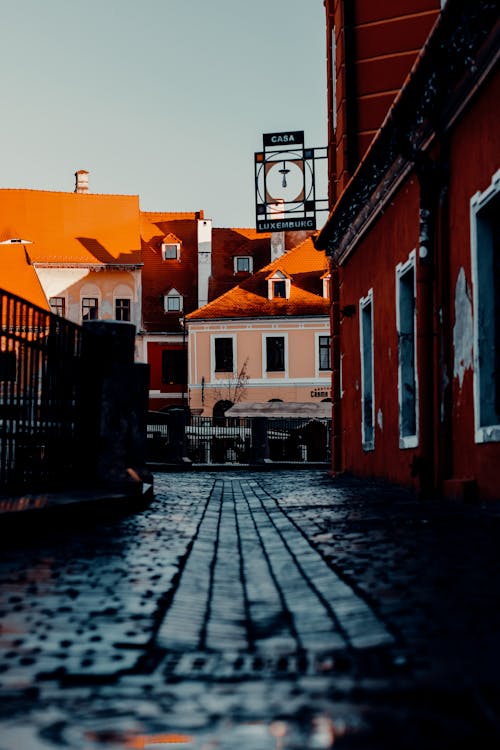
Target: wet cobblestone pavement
column 260, row 610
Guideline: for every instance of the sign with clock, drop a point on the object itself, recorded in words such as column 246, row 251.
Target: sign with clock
column 285, row 189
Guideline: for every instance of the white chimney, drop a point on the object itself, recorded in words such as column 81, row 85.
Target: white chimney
column 204, row 258
column 277, row 238
column 81, row 181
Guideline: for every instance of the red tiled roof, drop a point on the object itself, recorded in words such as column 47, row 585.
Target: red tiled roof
column 249, row 299
column 73, row 228
column 19, row 277
column 159, row 276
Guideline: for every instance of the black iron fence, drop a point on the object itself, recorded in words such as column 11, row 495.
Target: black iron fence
column 40, row 388
column 204, row 440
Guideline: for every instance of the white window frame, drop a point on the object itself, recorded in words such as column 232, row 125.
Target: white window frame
column 407, row 441
column 165, row 245
column 217, row 374
column 326, row 285
column 368, row 442
column 484, row 433
column 274, row 373
column 321, row 334
column 173, row 293
column 243, row 257
column 278, row 276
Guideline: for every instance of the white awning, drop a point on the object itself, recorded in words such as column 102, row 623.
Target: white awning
column 282, row 409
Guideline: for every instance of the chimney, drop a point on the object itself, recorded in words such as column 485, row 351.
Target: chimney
column 204, row 259
column 81, row 181
column 277, row 238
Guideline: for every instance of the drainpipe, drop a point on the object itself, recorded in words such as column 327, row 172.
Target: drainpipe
column 337, row 463
column 425, row 465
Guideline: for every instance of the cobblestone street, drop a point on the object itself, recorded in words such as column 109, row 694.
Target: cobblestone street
column 260, row 610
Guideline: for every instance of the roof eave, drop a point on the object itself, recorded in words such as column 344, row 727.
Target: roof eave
column 422, row 108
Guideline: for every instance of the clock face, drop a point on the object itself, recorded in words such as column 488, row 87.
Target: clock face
column 285, row 181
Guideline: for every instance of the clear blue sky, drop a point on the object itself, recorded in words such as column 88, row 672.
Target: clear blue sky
column 167, row 99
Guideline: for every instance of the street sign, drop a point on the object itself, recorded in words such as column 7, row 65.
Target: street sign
column 285, row 185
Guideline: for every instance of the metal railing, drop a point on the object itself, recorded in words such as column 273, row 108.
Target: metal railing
column 220, row 441
column 40, row 389
column 230, row 440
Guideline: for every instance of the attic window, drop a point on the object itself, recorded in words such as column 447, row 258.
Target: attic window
column 243, row 264
column 170, row 250
column 278, row 286
column 173, row 301
column 279, row 289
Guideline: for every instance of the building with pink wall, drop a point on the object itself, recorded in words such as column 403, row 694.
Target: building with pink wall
column 268, row 338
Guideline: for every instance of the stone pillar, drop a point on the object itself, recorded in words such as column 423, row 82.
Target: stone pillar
column 176, row 450
column 115, row 404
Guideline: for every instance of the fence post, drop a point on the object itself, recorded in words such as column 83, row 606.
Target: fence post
column 114, row 405
column 176, row 451
column 260, row 441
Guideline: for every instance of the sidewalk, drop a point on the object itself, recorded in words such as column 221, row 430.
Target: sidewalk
column 241, row 605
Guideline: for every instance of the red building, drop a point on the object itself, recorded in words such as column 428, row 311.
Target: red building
column 413, row 238
column 187, row 263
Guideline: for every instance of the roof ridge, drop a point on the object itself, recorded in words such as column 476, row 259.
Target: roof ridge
column 68, row 192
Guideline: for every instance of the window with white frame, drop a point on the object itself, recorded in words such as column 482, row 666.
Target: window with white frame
column 324, row 353
column 367, row 376
column 278, row 286
column 406, row 311
column 275, row 351
column 485, row 250
column 170, row 250
column 243, row 264
column 173, row 301
column 223, row 353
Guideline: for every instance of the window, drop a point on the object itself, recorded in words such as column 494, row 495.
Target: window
column 278, row 285
column 223, row 354
column 279, row 289
column 170, row 250
column 58, row 306
column 173, row 301
column 367, row 381
column 243, row 264
column 90, row 308
column 174, row 366
column 324, row 353
column 485, row 240
column 275, row 353
column 122, row 309
column 407, row 349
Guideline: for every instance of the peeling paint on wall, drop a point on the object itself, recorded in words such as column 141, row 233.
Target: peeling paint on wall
column 462, row 330
column 380, row 420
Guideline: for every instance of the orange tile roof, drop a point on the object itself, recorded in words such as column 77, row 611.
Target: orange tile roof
column 18, row 276
column 73, row 228
column 249, row 299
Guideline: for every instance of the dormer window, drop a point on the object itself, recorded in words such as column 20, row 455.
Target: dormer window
column 173, row 301
column 326, row 279
column 278, row 286
column 171, row 250
column 243, row 264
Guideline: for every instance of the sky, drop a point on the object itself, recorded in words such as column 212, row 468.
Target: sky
column 165, row 99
